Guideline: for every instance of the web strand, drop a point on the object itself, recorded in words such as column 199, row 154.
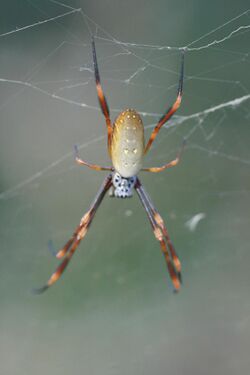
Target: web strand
column 135, row 76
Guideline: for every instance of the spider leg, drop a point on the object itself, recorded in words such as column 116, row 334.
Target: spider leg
column 91, row 166
column 87, row 218
column 102, row 100
column 171, row 164
column 171, row 110
column 157, row 229
column 161, row 224
column 51, row 248
column 70, row 247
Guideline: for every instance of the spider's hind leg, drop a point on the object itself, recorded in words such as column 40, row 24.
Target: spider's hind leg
column 171, row 111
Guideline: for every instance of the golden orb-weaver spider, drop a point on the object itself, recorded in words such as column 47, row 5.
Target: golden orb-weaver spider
column 126, row 149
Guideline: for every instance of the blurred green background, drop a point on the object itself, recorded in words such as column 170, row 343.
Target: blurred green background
column 113, row 311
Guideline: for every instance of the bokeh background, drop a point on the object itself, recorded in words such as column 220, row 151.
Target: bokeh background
column 113, row 311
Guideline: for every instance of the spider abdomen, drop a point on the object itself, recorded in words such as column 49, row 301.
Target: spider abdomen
column 127, row 145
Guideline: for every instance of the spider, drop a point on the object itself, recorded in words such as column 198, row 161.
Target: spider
column 126, row 147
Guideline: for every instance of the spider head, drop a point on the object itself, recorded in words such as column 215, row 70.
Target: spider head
column 123, row 187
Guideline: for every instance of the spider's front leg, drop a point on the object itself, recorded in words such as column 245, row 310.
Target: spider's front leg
column 70, row 247
column 161, row 234
column 159, row 221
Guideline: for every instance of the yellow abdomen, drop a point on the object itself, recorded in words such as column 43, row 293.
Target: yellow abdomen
column 127, row 144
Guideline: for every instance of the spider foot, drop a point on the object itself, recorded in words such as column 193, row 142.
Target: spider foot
column 39, row 290
column 76, row 152
column 51, row 248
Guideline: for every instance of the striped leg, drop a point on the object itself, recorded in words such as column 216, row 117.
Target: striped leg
column 170, row 111
column 171, row 164
column 70, row 247
column 102, row 100
column 161, row 225
column 159, row 235
column 91, row 166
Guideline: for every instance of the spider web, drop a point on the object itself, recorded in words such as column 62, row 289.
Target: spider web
column 132, row 67
column 48, row 103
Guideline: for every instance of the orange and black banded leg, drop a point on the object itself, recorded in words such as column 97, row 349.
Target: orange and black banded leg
column 174, row 275
column 102, row 100
column 171, row 164
column 91, row 166
column 70, row 247
column 158, row 219
column 171, row 110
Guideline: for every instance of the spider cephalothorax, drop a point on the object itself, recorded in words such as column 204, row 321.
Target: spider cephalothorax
column 123, row 187
column 126, row 148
